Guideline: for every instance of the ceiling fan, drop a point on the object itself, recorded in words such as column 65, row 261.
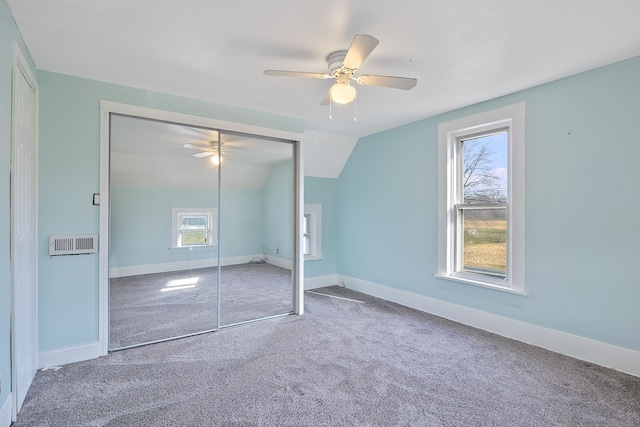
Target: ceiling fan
column 342, row 66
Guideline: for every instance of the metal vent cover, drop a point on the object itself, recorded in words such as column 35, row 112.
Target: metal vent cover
column 73, row 244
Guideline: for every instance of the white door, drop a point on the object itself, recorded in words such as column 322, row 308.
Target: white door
column 23, row 236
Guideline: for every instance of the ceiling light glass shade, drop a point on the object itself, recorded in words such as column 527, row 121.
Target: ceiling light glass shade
column 343, row 93
column 215, row 159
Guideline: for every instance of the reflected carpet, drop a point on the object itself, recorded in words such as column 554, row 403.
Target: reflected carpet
column 151, row 307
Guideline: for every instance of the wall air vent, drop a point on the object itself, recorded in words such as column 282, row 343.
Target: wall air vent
column 73, row 244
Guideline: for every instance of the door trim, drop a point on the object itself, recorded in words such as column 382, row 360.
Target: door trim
column 109, row 107
column 20, row 66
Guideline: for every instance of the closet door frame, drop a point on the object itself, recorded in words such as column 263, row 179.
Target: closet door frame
column 106, row 109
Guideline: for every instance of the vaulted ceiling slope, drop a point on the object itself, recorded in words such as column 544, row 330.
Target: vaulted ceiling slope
column 461, row 52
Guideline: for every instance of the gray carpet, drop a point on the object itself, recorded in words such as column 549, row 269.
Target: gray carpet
column 343, row 363
column 144, row 308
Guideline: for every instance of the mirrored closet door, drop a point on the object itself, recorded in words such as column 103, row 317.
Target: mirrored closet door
column 201, row 230
column 256, row 199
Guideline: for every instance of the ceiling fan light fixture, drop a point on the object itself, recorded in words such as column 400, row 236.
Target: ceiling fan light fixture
column 215, row 159
column 343, row 64
column 343, row 93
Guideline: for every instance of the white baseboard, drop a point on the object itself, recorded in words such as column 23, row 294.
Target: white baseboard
column 597, row 352
column 320, row 281
column 5, row 412
column 47, row 359
column 279, row 262
column 136, row 270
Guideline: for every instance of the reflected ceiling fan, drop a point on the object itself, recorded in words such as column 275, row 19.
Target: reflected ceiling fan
column 342, row 66
column 210, row 149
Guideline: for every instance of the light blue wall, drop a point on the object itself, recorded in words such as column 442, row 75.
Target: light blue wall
column 69, row 174
column 9, row 35
column 241, row 223
column 582, row 180
column 323, row 191
column 278, row 208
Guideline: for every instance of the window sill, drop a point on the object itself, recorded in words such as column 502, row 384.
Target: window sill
column 313, row 258
column 191, row 248
column 484, row 284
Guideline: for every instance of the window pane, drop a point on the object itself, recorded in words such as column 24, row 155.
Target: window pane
column 484, row 247
column 193, row 222
column 485, row 168
column 190, row 238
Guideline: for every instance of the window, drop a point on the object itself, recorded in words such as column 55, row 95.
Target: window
column 312, row 231
column 306, row 233
column 481, row 199
column 195, row 227
column 481, row 203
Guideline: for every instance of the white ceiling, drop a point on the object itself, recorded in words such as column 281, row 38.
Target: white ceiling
column 461, row 51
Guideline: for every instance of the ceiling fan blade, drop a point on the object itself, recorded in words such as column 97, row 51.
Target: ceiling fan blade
column 296, row 74
column 197, row 147
column 360, row 48
column 388, row 81
column 199, row 155
column 327, row 98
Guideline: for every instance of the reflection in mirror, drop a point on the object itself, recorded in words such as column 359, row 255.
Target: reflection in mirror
column 256, row 201
column 183, row 201
column 163, row 232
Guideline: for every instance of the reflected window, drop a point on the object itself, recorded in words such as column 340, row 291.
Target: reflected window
column 194, row 227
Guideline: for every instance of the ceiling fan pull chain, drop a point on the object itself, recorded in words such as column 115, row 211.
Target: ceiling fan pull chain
column 355, row 109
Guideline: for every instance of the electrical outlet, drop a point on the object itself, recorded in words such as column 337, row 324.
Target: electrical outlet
column 277, row 251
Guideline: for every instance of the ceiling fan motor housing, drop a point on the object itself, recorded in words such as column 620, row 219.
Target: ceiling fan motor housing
column 335, row 61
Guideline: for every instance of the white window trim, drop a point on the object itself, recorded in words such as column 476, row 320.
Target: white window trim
column 314, row 210
column 213, row 229
column 513, row 118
